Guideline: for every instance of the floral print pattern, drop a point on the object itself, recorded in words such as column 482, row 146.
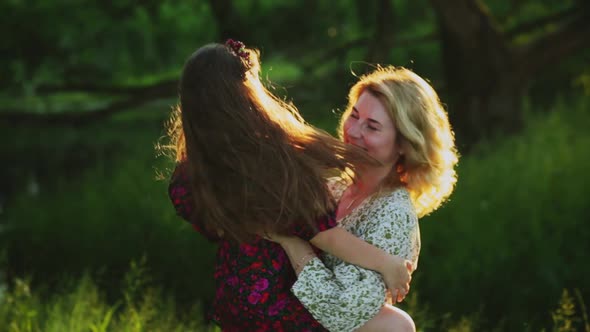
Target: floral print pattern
column 252, row 280
column 342, row 296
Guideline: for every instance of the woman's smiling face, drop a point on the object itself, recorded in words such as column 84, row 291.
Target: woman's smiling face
column 370, row 127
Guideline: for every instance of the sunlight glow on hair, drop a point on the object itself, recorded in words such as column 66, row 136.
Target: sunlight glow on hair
column 428, row 167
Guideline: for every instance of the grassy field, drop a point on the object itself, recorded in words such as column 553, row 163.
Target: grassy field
column 497, row 257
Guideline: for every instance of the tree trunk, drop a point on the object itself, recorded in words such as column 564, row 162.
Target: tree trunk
column 477, row 66
column 229, row 22
column 382, row 40
column 486, row 74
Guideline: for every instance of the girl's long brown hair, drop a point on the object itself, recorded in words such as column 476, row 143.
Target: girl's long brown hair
column 254, row 164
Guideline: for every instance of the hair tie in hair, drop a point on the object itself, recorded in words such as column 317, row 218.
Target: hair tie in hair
column 239, row 49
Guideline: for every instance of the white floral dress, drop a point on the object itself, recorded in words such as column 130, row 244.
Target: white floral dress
column 342, row 296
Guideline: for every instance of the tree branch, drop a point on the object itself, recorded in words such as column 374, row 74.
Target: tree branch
column 162, row 87
column 74, row 118
column 364, row 41
column 552, row 47
column 137, row 97
column 468, row 21
column 540, row 22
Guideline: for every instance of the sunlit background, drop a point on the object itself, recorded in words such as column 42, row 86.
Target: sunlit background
column 90, row 242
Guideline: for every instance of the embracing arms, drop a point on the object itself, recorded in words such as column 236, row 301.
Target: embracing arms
column 395, row 270
column 342, row 296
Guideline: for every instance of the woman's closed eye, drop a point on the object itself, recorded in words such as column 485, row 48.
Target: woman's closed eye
column 373, row 125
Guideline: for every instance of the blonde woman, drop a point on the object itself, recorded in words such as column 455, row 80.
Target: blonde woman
column 397, row 118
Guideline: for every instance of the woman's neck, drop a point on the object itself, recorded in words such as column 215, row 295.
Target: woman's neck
column 367, row 182
column 370, row 178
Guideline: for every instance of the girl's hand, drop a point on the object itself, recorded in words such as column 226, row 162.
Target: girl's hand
column 298, row 250
column 280, row 239
column 397, row 275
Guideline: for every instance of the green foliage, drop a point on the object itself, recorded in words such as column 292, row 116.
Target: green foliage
column 62, row 40
column 99, row 216
column 74, row 199
column 103, row 222
column 499, row 253
column 419, row 312
column 56, row 103
column 81, row 306
column 565, row 318
column 19, row 309
column 515, row 231
column 583, row 81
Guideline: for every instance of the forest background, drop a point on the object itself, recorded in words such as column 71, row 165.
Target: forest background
column 89, row 240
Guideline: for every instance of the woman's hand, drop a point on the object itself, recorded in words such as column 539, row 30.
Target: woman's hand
column 397, row 275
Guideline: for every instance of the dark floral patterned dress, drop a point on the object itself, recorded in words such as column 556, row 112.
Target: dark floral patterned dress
column 252, row 280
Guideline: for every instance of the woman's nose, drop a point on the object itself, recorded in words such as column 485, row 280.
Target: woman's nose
column 354, row 130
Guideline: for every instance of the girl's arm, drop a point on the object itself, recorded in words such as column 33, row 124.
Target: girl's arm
column 181, row 196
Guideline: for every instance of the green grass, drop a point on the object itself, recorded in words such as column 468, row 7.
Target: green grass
column 496, row 257
column 80, row 306
column 98, row 205
column 515, row 232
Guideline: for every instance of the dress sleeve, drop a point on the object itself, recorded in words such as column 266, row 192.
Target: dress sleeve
column 345, row 298
column 393, row 226
column 180, row 193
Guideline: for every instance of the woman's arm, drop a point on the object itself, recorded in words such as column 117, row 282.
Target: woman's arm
column 394, row 227
column 395, row 270
column 348, row 296
column 341, row 300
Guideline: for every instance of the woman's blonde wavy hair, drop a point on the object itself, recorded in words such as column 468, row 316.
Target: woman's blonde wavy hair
column 427, row 166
